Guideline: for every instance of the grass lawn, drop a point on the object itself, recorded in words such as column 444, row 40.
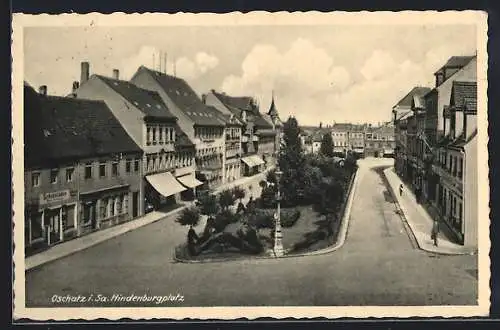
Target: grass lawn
column 308, row 231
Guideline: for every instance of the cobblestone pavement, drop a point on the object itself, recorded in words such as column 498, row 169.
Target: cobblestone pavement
column 377, row 266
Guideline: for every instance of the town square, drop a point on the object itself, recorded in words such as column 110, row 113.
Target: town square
column 252, row 166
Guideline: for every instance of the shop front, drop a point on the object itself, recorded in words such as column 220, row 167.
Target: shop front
column 161, row 190
column 190, row 182
column 252, row 165
column 51, row 219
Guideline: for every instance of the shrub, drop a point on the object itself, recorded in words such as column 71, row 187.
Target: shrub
column 226, row 199
column 223, row 219
column 239, row 193
column 189, row 217
column 260, row 218
column 268, row 197
column 289, row 217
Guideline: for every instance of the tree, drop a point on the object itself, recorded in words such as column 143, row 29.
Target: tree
column 226, row 199
column 239, row 193
column 271, row 177
column 292, row 163
column 189, row 217
column 208, row 205
column 326, row 148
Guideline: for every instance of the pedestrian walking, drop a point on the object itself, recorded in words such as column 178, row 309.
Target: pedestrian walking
column 435, row 232
column 401, row 189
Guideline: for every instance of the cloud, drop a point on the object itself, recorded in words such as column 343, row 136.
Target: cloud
column 378, row 65
column 185, row 67
column 206, row 61
column 301, row 76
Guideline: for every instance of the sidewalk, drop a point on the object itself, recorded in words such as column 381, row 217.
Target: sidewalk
column 420, row 222
column 81, row 243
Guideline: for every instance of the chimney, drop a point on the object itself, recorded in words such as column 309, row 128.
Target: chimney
column 84, row 72
column 42, row 90
column 116, row 74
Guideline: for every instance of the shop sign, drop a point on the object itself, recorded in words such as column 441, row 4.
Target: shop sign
column 56, row 196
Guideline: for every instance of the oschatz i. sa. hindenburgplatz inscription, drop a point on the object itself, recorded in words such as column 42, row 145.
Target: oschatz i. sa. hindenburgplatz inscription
column 117, row 298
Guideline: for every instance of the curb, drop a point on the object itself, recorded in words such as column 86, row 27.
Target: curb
column 340, row 241
column 101, row 240
column 118, row 233
column 405, row 220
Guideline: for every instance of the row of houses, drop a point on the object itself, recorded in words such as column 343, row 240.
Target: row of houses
column 364, row 140
column 113, row 149
column 436, row 146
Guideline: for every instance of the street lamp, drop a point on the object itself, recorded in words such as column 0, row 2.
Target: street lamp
column 278, row 235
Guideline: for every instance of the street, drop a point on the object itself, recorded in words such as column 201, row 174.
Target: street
column 376, row 266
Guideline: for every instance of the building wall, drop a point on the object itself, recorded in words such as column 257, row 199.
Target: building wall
column 76, row 193
column 129, row 116
column 471, row 194
column 144, row 80
column 468, row 73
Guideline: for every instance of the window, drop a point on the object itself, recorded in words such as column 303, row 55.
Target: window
column 35, row 179
column 111, row 207
column 148, row 135
column 68, row 220
column 69, row 174
column 102, row 208
column 118, row 205
column 88, row 171
column 125, row 204
column 53, row 175
column 460, row 167
column 102, row 169
column 161, row 133
column 128, row 165
column 114, row 168
column 154, row 135
column 136, row 165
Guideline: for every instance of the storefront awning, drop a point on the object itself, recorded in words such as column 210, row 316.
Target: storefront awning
column 189, row 181
column 165, row 183
column 257, row 160
column 253, row 161
column 248, row 160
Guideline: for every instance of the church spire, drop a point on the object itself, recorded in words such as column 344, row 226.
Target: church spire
column 273, row 112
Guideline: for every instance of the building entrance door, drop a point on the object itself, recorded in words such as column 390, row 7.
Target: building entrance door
column 135, row 204
column 54, row 224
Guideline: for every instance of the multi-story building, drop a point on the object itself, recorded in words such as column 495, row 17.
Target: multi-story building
column 456, row 163
column 258, row 136
column 202, row 124
column 340, row 138
column 168, row 164
column 379, row 141
column 405, row 132
column 463, row 68
column 232, row 152
column 81, row 170
column 357, row 139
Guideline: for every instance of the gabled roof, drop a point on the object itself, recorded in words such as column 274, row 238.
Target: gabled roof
column 245, row 103
column 407, row 100
column 456, row 62
column 237, row 104
column 186, row 99
column 462, row 91
column 69, row 128
column 148, row 102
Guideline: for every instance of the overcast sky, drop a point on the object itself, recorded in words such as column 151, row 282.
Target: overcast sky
column 319, row 73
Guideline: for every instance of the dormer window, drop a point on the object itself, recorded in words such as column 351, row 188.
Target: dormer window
column 439, row 78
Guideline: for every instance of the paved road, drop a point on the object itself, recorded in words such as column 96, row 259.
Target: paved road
column 377, row 266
